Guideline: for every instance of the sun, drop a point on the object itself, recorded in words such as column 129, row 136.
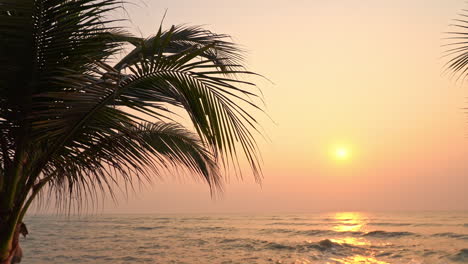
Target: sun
column 342, row 153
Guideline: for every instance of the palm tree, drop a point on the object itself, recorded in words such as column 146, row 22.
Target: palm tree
column 77, row 118
column 457, row 49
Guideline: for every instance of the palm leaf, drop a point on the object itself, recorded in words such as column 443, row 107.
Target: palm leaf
column 456, row 51
column 84, row 168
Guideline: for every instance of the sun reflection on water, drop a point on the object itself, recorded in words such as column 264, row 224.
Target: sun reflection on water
column 358, row 259
column 349, row 222
column 353, row 222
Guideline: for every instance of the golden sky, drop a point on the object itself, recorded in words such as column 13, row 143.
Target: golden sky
column 364, row 75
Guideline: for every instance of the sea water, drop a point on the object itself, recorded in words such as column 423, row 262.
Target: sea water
column 339, row 237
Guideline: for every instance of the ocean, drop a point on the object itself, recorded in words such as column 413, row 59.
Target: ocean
column 342, row 238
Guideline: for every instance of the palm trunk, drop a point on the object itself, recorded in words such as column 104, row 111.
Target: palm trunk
column 10, row 250
column 11, row 203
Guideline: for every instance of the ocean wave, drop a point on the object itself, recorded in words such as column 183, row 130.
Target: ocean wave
column 278, row 246
column 390, row 224
column 293, row 224
column 327, row 245
column 244, row 243
column 317, row 232
column 310, row 232
column 461, row 256
column 261, row 245
column 321, row 232
column 430, row 224
column 428, row 252
column 162, row 218
column 386, row 234
column 208, row 229
column 452, row 235
column 148, row 227
column 384, row 254
column 322, row 245
column 214, row 228
column 153, row 246
column 277, row 230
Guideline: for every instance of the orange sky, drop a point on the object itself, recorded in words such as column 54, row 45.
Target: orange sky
column 365, row 74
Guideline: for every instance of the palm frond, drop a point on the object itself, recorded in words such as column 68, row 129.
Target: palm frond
column 222, row 53
column 215, row 103
column 190, row 79
column 457, row 52
column 106, row 160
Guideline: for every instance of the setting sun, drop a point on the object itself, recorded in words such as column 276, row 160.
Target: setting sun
column 342, row 153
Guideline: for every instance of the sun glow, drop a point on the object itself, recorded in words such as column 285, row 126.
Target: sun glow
column 341, row 153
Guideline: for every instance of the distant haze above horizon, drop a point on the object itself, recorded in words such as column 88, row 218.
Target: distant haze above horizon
column 362, row 78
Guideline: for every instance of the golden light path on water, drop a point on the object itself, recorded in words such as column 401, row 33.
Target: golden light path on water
column 349, row 222
column 353, row 222
column 359, row 260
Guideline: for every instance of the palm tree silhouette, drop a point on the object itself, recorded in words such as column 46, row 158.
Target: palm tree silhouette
column 75, row 121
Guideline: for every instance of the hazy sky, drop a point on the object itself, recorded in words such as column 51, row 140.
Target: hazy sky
column 364, row 74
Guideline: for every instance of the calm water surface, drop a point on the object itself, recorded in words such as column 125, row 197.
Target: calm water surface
column 343, row 238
